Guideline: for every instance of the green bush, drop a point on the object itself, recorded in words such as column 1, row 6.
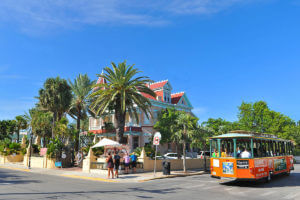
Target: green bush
column 14, row 148
column 8, row 148
column 23, row 151
column 54, row 148
column 149, row 150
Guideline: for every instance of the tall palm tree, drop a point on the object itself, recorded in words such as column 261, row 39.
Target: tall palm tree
column 122, row 93
column 185, row 126
column 81, row 88
column 55, row 97
column 21, row 123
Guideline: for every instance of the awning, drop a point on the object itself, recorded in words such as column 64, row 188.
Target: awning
column 106, row 142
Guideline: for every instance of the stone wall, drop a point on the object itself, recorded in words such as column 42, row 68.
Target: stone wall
column 39, row 162
column 176, row 164
column 11, row 159
column 148, row 164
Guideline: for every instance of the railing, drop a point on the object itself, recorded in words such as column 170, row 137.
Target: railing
column 103, row 165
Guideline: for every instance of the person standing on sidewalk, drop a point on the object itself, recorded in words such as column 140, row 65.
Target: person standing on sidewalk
column 126, row 163
column 133, row 158
column 110, row 165
column 117, row 163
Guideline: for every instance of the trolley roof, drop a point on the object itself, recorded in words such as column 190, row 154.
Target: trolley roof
column 248, row 134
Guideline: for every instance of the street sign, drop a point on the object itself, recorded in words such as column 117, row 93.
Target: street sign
column 156, row 140
column 157, row 134
column 63, row 156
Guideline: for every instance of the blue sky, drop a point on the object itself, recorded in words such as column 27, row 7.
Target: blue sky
column 221, row 52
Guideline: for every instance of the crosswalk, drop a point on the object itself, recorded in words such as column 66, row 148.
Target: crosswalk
column 246, row 190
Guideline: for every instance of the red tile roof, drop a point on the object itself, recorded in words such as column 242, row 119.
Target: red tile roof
column 176, row 97
column 101, row 80
column 148, row 96
column 158, row 84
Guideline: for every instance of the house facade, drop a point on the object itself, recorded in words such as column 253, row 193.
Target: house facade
column 141, row 133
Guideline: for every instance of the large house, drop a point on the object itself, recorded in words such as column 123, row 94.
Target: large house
column 139, row 134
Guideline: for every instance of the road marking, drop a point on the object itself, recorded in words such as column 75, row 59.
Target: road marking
column 13, row 168
column 291, row 196
column 267, row 193
column 90, row 178
column 6, row 183
column 228, row 189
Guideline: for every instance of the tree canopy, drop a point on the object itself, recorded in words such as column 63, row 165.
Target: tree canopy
column 122, row 93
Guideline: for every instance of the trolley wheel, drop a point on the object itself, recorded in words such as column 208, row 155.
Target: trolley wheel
column 288, row 172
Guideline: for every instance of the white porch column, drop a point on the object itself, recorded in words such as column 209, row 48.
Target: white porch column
column 130, row 142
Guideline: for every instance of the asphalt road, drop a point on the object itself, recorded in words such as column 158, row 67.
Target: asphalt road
column 25, row 185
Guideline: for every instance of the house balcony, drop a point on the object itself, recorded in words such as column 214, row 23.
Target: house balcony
column 127, row 129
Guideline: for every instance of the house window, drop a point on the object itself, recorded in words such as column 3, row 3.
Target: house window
column 146, row 120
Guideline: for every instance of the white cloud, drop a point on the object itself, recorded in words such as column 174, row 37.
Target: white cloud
column 47, row 14
column 199, row 111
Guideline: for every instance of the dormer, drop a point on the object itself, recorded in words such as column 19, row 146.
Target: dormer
column 167, row 90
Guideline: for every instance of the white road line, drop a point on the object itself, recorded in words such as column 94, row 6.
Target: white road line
column 228, row 189
column 267, row 193
column 5, row 183
column 292, row 196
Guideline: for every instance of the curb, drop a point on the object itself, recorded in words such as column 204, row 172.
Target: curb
column 89, row 178
column 14, row 168
column 173, row 176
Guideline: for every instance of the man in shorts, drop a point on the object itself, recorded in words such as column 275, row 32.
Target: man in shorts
column 133, row 158
column 117, row 163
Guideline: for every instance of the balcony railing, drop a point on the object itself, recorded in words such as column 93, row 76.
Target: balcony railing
column 102, row 130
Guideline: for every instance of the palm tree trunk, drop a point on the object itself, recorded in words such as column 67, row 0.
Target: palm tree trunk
column 18, row 135
column 184, row 157
column 120, row 124
column 77, row 133
column 53, row 123
column 44, row 141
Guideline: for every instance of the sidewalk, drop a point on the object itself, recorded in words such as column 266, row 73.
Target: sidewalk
column 77, row 173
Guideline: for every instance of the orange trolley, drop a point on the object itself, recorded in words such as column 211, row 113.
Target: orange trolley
column 242, row 155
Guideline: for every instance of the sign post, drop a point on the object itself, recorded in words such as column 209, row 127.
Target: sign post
column 156, row 140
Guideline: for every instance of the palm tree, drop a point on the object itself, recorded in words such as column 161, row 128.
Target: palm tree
column 40, row 123
column 122, row 93
column 21, row 123
column 55, row 97
column 185, row 127
column 81, row 88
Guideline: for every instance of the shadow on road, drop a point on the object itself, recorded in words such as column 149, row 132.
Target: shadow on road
column 281, row 180
column 125, row 191
column 12, row 179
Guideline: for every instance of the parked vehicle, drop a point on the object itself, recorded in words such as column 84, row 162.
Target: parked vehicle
column 160, row 157
column 202, row 153
column 171, row 156
column 174, row 156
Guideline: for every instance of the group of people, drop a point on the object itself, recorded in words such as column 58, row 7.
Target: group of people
column 114, row 161
column 244, row 153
